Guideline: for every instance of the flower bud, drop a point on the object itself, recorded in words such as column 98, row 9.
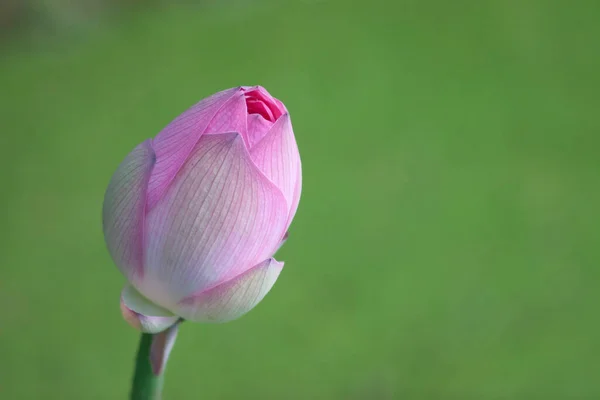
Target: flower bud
column 193, row 217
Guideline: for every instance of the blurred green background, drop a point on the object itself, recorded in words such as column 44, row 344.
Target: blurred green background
column 446, row 245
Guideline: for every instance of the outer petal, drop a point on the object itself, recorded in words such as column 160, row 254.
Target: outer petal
column 220, row 215
column 234, row 298
column 162, row 344
column 276, row 155
column 144, row 315
column 296, row 198
column 257, row 129
column 124, row 209
column 231, row 117
column 175, row 142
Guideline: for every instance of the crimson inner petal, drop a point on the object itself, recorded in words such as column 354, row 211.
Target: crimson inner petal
column 258, row 103
column 258, row 107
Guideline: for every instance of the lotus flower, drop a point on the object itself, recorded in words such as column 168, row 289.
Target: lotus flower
column 193, row 217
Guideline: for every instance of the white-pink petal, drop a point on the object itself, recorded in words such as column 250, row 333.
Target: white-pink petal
column 144, row 315
column 220, row 216
column 234, row 298
column 124, row 209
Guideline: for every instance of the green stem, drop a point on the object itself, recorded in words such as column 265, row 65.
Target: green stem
column 146, row 385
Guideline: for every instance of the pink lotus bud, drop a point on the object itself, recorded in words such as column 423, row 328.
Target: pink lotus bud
column 193, row 217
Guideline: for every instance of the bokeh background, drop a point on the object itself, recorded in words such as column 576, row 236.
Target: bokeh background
column 446, row 245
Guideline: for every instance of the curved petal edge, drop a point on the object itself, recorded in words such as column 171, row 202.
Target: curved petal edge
column 234, row 298
column 277, row 156
column 144, row 315
column 124, row 208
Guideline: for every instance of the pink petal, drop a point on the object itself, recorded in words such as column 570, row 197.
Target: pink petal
column 231, row 117
column 296, row 197
column 259, row 107
column 124, row 209
column 162, row 344
column 276, row 155
column 175, row 142
column 234, row 298
column 144, row 315
column 220, row 216
column 257, row 129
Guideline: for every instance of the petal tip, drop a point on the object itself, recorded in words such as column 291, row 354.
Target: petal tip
column 285, row 118
column 231, row 137
column 130, row 316
column 273, row 263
